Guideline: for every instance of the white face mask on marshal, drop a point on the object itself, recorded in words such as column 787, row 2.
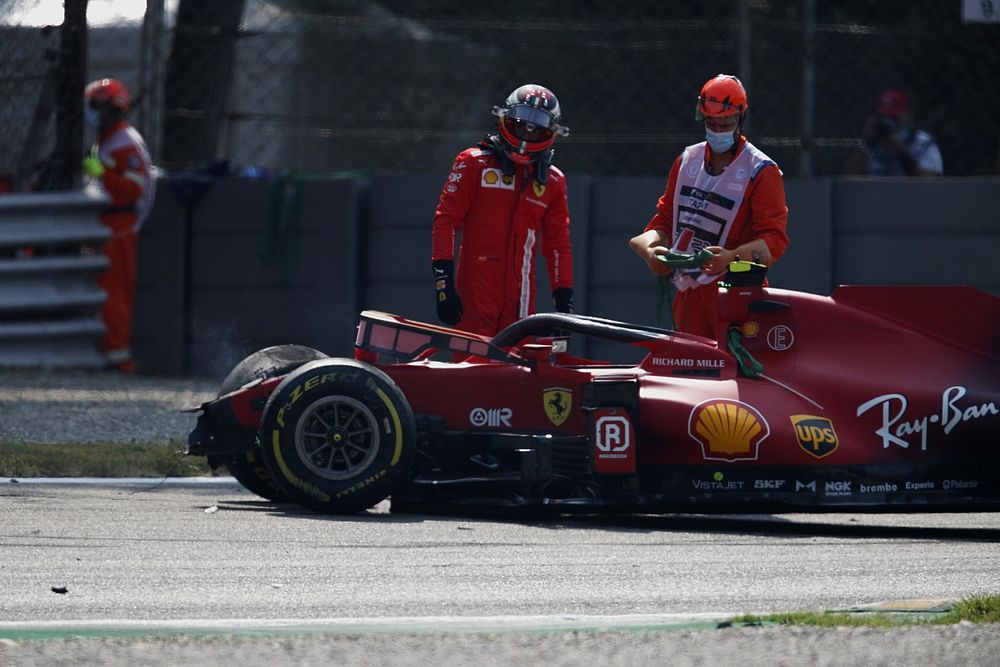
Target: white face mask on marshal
column 720, row 142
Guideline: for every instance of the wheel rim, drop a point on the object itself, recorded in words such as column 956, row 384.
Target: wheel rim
column 337, row 437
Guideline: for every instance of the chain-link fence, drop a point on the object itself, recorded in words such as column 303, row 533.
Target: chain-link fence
column 334, row 85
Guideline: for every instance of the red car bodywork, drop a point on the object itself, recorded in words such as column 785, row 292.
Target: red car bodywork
column 874, row 397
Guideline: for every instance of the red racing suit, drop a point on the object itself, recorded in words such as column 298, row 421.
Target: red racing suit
column 128, row 180
column 762, row 214
column 502, row 219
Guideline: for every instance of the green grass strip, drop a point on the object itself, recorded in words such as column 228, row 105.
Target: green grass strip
column 100, row 460
column 975, row 609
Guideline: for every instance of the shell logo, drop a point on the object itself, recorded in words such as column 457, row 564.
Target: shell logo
column 750, row 329
column 728, row 430
column 490, row 177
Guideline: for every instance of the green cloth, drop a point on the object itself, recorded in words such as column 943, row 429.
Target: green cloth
column 683, row 260
column 280, row 242
column 748, row 366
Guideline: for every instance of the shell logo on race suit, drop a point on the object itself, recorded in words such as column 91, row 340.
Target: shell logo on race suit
column 727, row 430
column 815, row 435
column 494, row 178
column 557, row 403
column 614, row 438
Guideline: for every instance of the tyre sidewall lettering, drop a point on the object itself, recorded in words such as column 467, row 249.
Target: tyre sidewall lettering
column 249, row 468
column 291, row 477
column 397, row 426
column 300, row 390
column 390, row 419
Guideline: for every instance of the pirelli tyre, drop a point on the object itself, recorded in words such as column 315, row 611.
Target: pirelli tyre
column 338, row 436
column 269, row 362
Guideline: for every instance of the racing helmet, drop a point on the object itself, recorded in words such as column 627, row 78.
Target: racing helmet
column 107, row 93
column 721, row 96
column 529, row 122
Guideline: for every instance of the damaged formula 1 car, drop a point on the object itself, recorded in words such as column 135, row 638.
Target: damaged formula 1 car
column 875, row 398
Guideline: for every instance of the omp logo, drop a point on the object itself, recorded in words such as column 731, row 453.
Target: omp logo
column 727, row 430
column 490, row 417
column 613, row 433
column 815, row 435
column 557, row 403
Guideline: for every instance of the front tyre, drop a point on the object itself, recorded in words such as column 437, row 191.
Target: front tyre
column 246, row 465
column 337, row 436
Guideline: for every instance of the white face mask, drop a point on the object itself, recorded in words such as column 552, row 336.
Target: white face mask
column 720, row 142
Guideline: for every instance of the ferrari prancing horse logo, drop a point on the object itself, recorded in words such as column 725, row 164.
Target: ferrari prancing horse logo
column 557, row 403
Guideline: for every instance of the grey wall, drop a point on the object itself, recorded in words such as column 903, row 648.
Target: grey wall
column 159, row 315
column 207, row 297
column 397, row 275
column 936, row 232
column 204, row 304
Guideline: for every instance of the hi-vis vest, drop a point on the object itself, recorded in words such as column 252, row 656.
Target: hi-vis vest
column 705, row 205
column 142, row 172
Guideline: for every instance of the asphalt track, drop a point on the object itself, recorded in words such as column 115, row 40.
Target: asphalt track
column 199, row 558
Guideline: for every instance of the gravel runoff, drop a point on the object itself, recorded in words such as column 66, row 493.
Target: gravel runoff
column 964, row 644
column 78, row 407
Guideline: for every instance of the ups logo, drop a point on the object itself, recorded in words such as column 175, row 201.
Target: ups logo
column 815, row 435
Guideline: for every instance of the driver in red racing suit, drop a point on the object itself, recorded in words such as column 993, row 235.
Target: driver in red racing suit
column 508, row 201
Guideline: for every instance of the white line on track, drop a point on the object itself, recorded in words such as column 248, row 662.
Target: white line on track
column 367, row 626
column 126, row 481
